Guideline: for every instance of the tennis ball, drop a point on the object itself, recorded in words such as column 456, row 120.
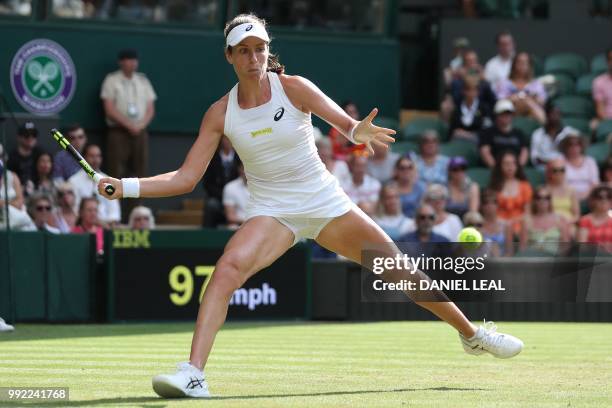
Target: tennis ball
column 469, row 235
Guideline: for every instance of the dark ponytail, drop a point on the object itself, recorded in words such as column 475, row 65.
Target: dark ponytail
column 274, row 64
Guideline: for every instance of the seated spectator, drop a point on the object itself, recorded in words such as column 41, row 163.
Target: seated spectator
column 463, row 193
column 109, row 211
column 18, row 218
column 498, row 67
column 141, row 218
column 606, row 172
column 64, row 165
column 472, row 71
column 514, row 193
column 544, row 140
column 581, row 171
column 342, row 148
column 431, row 165
column 494, row 230
column 362, row 189
column 471, row 115
column 41, row 210
column 235, row 199
column 564, row 198
column 602, row 93
column 542, row 229
column 446, row 224
column 22, row 159
column 42, row 182
column 389, row 214
column 381, row 164
column 454, row 69
column 88, row 222
column 522, row 89
column 65, row 214
column 222, row 169
column 410, row 189
column 338, row 168
column 423, row 240
column 502, row 136
column 596, row 226
column 15, row 190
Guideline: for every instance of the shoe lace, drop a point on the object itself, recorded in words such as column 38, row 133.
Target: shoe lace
column 491, row 338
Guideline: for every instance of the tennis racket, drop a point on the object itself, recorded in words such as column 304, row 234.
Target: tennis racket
column 65, row 144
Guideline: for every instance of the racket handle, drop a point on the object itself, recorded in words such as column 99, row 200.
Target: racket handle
column 108, row 188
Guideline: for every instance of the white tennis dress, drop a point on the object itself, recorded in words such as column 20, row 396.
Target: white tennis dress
column 285, row 176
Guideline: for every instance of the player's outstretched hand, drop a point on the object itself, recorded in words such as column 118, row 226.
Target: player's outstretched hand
column 113, row 182
column 368, row 133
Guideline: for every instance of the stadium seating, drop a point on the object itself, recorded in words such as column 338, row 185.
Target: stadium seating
column 534, row 176
column 566, row 63
column 564, row 84
column 581, row 124
column 413, row 129
column 603, row 130
column 584, row 84
column 599, row 151
column 480, row 175
column 402, row 147
column 525, row 125
column 575, row 106
column 467, row 150
column 599, row 64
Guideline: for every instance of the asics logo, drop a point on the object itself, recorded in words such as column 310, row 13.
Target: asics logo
column 279, row 114
column 249, row 27
column 195, row 383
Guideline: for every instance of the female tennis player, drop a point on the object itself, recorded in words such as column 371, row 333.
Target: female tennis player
column 267, row 117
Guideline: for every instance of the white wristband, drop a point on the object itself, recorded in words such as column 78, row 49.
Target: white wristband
column 131, row 187
column 351, row 135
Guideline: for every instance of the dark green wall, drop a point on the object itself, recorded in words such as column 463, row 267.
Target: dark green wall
column 189, row 72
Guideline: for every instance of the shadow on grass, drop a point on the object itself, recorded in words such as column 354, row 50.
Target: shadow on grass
column 161, row 402
column 33, row 331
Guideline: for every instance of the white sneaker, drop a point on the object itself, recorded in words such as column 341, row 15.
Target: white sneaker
column 5, row 327
column 188, row 381
column 487, row 339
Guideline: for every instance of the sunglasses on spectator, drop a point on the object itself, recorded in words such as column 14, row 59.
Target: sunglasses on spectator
column 61, row 193
column 476, row 224
column 458, row 168
column 141, row 218
column 558, row 169
column 406, row 167
column 543, row 197
column 424, row 217
column 43, row 208
column 602, row 197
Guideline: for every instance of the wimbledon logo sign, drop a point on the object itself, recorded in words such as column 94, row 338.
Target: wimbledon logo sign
column 43, row 77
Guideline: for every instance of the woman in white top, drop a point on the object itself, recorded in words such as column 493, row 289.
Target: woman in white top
column 581, row 171
column 267, row 116
column 389, row 214
column 448, row 225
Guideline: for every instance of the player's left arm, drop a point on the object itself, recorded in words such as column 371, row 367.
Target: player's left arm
column 309, row 98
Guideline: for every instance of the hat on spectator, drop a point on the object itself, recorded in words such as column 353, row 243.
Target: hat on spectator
column 566, row 132
column 127, row 53
column 503, row 105
column 28, row 128
column 457, row 162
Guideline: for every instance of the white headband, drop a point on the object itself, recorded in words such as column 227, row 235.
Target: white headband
column 242, row 31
